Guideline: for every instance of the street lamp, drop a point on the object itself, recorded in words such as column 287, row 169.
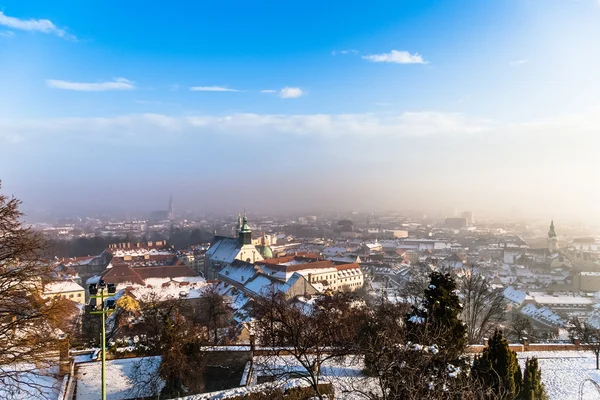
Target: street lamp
column 104, row 308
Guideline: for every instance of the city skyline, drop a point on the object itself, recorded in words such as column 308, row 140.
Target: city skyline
column 468, row 105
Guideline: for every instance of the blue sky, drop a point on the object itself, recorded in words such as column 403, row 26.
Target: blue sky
column 114, row 104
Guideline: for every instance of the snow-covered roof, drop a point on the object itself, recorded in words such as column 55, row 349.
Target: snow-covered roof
column 224, row 249
column 239, row 272
column 166, row 288
column 140, row 252
column 514, row 295
column 569, row 300
column 590, row 273
column 542, row 314
column 65, row 286
column 261, row 285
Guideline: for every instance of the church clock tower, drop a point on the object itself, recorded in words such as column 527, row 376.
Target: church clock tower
column 245, row 234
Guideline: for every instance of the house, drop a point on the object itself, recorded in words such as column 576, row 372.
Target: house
column 127, row 275
column 67, row 289
column 322, row 274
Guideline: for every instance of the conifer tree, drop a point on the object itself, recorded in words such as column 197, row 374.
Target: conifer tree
column 498, row 368
column 437, row 321
column 533, row 388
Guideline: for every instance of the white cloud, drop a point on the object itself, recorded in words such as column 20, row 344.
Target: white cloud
column 350, row 51
column 398, row 57
column 115, row 84
column 268, row 91
column 518, row 62
column 33, row 25
column 7, row 34
column 212, row 89
column 290, row 92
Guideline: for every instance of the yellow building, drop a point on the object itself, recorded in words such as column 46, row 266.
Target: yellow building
column 67, row 289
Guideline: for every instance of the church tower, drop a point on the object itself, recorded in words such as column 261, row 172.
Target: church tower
column 171, row 215
column 552, row 239
column 245, row 234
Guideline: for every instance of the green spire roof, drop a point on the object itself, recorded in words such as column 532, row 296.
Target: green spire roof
column 245, row 227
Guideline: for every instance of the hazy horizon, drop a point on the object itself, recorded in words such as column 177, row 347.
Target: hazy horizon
column 431, row 106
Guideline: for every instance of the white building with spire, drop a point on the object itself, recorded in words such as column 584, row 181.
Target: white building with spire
column 224, row 250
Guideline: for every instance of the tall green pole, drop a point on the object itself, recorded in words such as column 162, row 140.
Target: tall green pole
column 103, row 346
column 104, row 311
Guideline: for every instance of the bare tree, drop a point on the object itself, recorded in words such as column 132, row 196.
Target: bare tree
column 587, row 335
column 28, row 322
column 520, row 327
column 214, row 311
column 413, row 287
column 167, row 328
column 306, row 335
column 483, row 306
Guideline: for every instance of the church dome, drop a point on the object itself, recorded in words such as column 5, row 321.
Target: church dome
column 265, row 251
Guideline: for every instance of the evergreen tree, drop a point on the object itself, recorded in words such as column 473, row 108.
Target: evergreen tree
column 533, row 388
column 437, row 321
column 498, row 368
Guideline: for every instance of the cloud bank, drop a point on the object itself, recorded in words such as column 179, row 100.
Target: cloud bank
column 115, row 84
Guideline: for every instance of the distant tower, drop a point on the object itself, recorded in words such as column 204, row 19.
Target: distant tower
column 245, row 234
column 171, row 213
column 552, row 239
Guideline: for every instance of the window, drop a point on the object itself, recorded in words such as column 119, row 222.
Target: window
column 70, row 296
column 78, row 294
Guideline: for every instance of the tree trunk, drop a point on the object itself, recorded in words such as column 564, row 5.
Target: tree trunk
column 598, row 360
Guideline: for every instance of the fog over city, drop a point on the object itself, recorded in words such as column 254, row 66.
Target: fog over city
column 268, row 200
column 493, row 107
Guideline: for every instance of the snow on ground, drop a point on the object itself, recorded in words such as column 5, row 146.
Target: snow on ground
column 33, row 384
column 345, row 375
column 122, row 380
column 564, row 371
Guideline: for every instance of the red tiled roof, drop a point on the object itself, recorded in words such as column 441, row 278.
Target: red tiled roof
column 169, row 271
column 313, row 265
column 299, row 256
column 121, row 274
column 343, row 267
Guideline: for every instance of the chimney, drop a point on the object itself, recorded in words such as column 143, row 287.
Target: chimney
column 485, row 341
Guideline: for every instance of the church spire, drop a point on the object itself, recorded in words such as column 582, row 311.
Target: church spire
column 552, row 232
column 171, row 215
column 552, row 239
